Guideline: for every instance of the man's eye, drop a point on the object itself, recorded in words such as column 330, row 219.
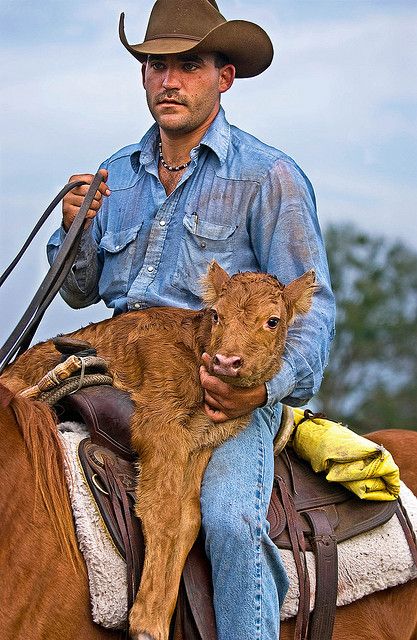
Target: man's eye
column 157, row 65
column 190, row 66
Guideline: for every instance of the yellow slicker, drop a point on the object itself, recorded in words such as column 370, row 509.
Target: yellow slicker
column 360, row 465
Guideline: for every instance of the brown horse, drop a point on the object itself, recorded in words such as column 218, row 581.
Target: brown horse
column 44, row 592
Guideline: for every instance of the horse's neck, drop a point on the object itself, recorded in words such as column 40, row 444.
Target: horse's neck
column 54, row 586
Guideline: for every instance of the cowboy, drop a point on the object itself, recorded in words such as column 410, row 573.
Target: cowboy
column 196, row 188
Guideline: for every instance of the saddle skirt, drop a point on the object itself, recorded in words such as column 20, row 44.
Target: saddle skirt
column 368, row 562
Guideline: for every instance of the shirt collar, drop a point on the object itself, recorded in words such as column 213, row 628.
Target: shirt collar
column 217, row 138
column 145, row 153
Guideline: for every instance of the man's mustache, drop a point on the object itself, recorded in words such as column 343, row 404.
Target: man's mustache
column 170, row 96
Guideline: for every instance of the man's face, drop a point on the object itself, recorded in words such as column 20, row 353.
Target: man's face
column 183, row 90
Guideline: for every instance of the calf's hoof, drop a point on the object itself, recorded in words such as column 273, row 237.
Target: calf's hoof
column 145, row 624
column 137, row 632
column 141, row 635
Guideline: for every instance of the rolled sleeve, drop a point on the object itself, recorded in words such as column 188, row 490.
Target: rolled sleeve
column 281, row 385
column 80, row 288
column 295, row 383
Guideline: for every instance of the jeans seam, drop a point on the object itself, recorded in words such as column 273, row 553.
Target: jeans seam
column 259, row 501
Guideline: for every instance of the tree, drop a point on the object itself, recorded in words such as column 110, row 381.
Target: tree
column 371, row 379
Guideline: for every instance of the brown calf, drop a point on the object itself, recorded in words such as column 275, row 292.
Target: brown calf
column 155, row 354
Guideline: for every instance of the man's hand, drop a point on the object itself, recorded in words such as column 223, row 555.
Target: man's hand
column 222, row 401
column 73, row 200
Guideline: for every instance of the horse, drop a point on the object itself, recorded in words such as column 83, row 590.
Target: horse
column 44, row 591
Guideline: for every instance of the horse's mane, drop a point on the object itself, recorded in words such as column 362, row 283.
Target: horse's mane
column 46, row 454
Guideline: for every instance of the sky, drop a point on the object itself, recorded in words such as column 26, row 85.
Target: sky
column 340, row 97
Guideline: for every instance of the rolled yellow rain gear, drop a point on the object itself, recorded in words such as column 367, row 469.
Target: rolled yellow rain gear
column 362, row 466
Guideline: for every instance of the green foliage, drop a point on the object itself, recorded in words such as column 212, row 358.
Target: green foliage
column 371, row 379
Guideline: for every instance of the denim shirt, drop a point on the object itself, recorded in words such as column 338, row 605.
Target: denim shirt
column 240, row 202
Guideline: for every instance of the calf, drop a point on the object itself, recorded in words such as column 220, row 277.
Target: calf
column 155, row 355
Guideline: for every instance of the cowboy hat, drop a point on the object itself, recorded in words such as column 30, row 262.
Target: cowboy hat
column 176, row 26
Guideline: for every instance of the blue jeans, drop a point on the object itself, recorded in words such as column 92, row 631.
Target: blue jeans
column 249, row 579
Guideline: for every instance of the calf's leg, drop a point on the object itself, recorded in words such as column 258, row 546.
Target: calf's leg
column 168, row 504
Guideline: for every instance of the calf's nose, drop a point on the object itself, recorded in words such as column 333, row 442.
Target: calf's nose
column 226, row 365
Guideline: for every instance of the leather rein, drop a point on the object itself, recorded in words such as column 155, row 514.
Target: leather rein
column 22, row 335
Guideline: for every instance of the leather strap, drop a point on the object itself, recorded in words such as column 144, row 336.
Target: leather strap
column 122, row 514
column 408, row 530
column 20, row 338
column 183, row 624
column 198, row 586
column 324, row 546
column 298, row 547
column 68, row 187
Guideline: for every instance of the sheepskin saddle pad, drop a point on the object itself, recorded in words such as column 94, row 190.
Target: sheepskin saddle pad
column 368, row 562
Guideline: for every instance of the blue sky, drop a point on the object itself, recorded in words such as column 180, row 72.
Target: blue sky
column 340, row 98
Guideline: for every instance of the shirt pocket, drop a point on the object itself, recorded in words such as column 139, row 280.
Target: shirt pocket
column 202, row 242
column 117, row 250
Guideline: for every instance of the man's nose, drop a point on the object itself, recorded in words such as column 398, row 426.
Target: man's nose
column 171, row 79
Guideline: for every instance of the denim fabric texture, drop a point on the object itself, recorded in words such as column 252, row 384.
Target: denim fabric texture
column 249, row 579
column 251, row 208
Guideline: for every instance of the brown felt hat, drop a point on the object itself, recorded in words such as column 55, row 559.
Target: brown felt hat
column 176, row 26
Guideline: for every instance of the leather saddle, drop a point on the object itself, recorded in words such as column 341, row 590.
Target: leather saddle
column 306, row 512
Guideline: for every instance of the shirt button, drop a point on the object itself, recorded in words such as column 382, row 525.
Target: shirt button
column 162, row 223
column 118, row 247
column 203, row 245
column 137, row 305
column 150, row 269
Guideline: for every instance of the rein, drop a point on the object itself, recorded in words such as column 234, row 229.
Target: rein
column 21, row 337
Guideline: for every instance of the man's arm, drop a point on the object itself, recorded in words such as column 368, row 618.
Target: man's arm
column 81, row 285
column 287, row 241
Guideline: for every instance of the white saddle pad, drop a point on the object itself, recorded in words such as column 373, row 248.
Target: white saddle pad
column 368, row 562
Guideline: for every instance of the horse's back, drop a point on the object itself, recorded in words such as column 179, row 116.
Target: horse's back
column 385, row 615
column 402, row 444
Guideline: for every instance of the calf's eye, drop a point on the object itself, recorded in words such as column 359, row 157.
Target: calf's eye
column 272, row 322
column 214, row 316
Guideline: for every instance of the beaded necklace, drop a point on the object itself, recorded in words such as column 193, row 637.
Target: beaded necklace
column 169, row 167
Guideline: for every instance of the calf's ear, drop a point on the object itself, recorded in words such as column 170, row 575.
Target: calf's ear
column 298, row 294
column 213, row 282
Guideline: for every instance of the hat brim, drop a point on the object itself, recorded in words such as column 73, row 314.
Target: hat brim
column 247, row 46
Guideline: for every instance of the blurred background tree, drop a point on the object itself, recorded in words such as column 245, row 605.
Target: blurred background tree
column 371, row 379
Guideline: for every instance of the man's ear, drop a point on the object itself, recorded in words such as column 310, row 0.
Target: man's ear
column 298, row 294
column 226, row 78
column 213, row 282
column 143, row 71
